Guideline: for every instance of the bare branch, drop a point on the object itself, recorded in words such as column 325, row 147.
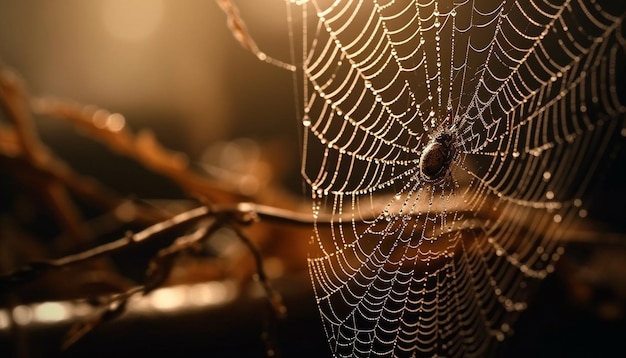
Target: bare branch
column 240, row 31
column 14, row 99
column 115, row 307
column 239, row 214
column 143, row 148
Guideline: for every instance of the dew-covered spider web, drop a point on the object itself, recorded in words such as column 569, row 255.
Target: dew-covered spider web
column 449, row 146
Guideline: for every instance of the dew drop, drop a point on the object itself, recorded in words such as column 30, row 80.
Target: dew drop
column 515, row 154
column 549, row 195
column 453, row 12
column 306, row 121
column 547, row 175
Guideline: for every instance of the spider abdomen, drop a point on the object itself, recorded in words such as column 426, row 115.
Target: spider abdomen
column 436, row 158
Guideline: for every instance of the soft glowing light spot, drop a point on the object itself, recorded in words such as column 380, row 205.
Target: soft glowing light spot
column 549, row 195
column 51, row 312
column 115, row 122
column 5, row 322
column 520, row 306
column 132, row 20
column 202, row 295
column 582, row 213
column 547, row 175
column 557, row 218
column 210, row 293
column 100, row 118
column 126, row 212
column 81, row 309
column 22, row 315
column 104, row 120
column 168, row 298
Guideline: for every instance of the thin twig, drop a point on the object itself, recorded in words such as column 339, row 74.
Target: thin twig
column 161, row 266
column 240, row 31
column 274, row 297
column 239, row 214
column 36, row 269
column 15, row 101
column 275, row 300
column 142, row 147
column 115, row 307
column 54, row 169
column 13, row 98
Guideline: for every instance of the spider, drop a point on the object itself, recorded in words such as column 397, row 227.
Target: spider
column 436, row 158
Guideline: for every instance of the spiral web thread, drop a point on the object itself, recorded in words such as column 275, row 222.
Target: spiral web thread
column 532, row 93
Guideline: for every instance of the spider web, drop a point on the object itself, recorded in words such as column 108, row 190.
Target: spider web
column 531, row 93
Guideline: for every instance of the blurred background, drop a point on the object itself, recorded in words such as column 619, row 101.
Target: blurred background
column 173, row 67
